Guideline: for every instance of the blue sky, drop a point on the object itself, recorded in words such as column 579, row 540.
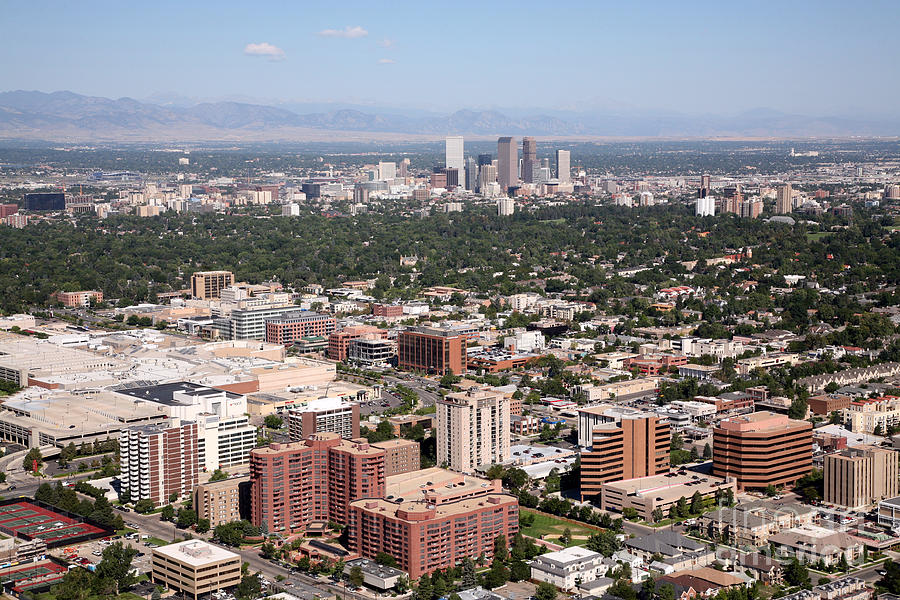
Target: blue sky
column 816, row 58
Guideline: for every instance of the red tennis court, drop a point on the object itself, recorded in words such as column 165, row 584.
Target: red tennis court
column 24, row 519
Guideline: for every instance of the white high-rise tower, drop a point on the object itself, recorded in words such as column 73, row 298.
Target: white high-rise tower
column 453, row 153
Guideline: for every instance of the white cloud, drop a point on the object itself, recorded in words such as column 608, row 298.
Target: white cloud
column 264, row 49
column 386, row 61
column 386, row 43
column 347, row 32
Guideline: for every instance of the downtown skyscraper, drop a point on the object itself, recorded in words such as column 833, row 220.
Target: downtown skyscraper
column 529, row 159
column 453, row 153
column 507, row 163
column 563, row 166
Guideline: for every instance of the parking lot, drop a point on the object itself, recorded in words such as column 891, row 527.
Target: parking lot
column 92, row 552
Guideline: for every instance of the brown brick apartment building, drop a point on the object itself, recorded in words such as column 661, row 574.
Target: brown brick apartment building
column 298, row 483
column 159, row 460
column 636, row 446
column 432, row 350
column 222, row 501
column 433, row 520
column 762, row 448
column 400, row 456
column 291, row 327
column 339, row 341
column 209, row 284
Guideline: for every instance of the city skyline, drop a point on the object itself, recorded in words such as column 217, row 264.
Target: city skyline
column 651, row 58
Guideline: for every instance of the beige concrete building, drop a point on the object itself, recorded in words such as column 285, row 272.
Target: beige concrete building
column 220, row 501
column 646, row 494
column 861, row 476
column 400, row 456
column 209, row 284
column 472, row 429
column 195, row 567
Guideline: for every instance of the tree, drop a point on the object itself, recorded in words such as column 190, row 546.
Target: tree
column 423, row 589
column 33, row 461
column 383, row 558
column 202, row 525
column 144, row 506
column 798, row 408
column 519, row 570
column 796, row 573
column 186, row 518
column 622, row 589
column 268, row 550
column 497, row 575
column 604, row 542
column 707, row 451
column 545, row 591
column 682, row 507
column 116, row 566
column 771, row 490
column 273, row 421
column 891, row 579
column 515, row 478
column 657, row 514
column 500, row 550
column 218, row 475
column 666, row 592
column 630, row 513
column 249, row 587
column 167, row 513
column 696, row 503
column 566, row 537
column 76, row 585
column 468, row 579
column 355, row 577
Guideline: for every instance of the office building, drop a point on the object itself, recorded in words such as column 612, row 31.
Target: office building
column 77, row 299
column 400, row 456
column 486, row 175
column 291, row 327
column 529, row 159
column 471, row 174
column 432, row 519
column 225, row 435
column 387, row 171
column 784, row 201
column 472, row 429
column 323, row 415
column 563, row 166
column 7, row 210
column 860, row 476
column 705, row 206
column 339, row 341
column 507, row 163
column 637, row 445
column 762, row 449
column 371, row 352
column 505, row 207
column 453, row 153
column 195, row 568
column 432, row 350
column 452, row 174
column 206, row 285
column 662, row 492
column 299, row 484
column 45, row 201
column 705, row 186
column 159, row 461
column 223, row 501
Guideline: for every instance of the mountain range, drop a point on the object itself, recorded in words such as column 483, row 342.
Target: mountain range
column 67, row 116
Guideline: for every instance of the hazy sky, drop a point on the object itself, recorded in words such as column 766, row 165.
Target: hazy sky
column 818, row 57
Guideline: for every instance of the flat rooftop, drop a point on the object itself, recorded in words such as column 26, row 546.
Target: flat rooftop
column 668, row 487
column 93, row 411
column 568, row 555
column 435, row 482
column 164, row 393
column 196, row 553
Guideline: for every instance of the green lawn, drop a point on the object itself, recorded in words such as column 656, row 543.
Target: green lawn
column 551, row 528
column 812, row 237
column 155, row 540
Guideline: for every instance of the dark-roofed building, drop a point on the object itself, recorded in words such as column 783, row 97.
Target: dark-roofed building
column 676, row 550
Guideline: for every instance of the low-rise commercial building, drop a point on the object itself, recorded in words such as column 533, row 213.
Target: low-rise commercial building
column 80, row 299
column 291, row 327
column 646, row 494
column 195, row 567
